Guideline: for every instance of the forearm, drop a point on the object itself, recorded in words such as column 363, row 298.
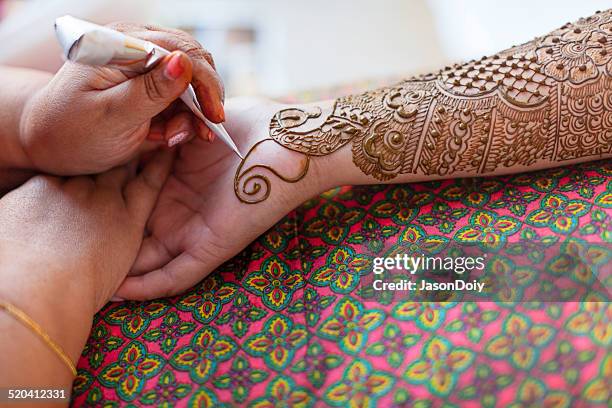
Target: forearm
column 19, row 85
column 542, row 104
column 55, row 301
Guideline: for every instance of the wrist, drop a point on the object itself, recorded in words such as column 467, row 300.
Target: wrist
column 270, row 170
column 326, row 171
column 13, row 153
column 50, row 293
column 19, row 87
column 345, row 144
column 27, row 130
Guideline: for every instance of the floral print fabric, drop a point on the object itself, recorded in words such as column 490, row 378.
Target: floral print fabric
column 286, row 323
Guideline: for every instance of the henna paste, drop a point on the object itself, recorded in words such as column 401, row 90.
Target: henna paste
column 251, row 186
column 547, row 100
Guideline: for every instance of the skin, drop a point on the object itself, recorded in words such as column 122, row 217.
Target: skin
column 55, row 241
column 85, row 120
column 57, row 233
column 200, row 221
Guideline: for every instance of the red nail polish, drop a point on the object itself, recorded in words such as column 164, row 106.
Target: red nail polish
column 155, row 136
column 174, row 68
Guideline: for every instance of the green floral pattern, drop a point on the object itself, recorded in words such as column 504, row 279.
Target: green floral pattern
column 291, row 321
column 278, row 342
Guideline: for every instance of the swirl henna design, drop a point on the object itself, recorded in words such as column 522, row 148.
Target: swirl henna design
column 548, row 100
column 252, row 187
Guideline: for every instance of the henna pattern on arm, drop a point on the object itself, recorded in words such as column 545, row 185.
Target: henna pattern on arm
column 547, row 100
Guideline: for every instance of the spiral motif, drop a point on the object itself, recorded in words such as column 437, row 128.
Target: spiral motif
column 594, row 123
column 595, row 104
column 252, row 187
column 572, row 141
column 589, row 140
column 576, row 106
column 577, row 124
column 394, row 139
column 249, row 188
column 405, row 103
column 607, row 120
column 573, row 50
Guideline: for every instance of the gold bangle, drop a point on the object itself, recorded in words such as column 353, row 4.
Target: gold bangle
column 20, row 315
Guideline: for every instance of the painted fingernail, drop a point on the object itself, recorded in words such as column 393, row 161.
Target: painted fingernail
column 155, row 136
column 178, row 138
column 116, row 299
column 174, row 68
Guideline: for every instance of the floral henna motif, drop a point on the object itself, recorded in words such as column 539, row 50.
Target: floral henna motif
column 546, row 100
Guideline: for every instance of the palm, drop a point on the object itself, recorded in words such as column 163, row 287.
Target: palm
column 183, row 222
column 198, row 222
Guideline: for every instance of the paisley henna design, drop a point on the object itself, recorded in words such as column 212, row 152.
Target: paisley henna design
column 548, row 100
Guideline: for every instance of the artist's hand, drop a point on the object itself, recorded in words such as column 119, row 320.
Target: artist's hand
column 199, row 222
column 90, row 119
column 65, row 246
column 80, row 235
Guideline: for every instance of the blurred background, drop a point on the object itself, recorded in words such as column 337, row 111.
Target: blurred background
column 277, row 48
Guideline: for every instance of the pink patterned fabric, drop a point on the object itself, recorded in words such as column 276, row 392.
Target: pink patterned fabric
column 287, row 322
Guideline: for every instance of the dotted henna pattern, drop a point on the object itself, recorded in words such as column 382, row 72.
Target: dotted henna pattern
column 546, row 100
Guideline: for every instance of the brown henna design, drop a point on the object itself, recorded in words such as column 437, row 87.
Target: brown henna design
column 335, row 132
column 546, row 100
column 251, row 186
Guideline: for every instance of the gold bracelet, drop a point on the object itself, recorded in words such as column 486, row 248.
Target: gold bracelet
column 39, row 331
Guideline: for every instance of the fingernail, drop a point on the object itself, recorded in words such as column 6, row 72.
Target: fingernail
column 178, row 138
column 155, row 136
column 211, row 136
column 174, row 68
column 222, row 114
column 116, row 299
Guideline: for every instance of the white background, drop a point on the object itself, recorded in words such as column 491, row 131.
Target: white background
column 276, row 47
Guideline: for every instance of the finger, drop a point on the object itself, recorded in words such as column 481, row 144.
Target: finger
column 203, row 131
column 141, row 98
column 176, row 40
column 115, row 178
column 173, row 109
column 157, row 130
column 179, row 129
column 190, row 45
column 145, row 157
column 171, row 279
column 152, row 255
column 206, row 82
column 79, row 187
column 209, row 89
column 133, row 168
column 141, row 193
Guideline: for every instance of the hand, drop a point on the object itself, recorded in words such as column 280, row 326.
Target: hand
column 78, row 235
column 199, row 223
column 65, row 246
column 90, row 119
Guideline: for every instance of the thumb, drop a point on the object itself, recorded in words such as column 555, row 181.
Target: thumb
column 141, row 98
